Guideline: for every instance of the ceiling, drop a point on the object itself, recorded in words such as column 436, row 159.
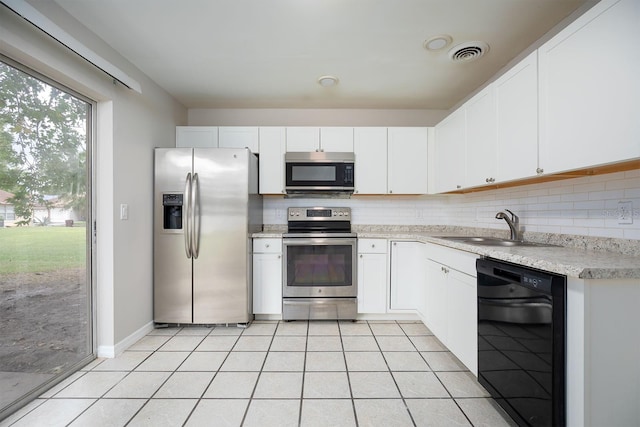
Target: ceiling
column 270, row 53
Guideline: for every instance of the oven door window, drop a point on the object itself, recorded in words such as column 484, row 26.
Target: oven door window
column 319, row 265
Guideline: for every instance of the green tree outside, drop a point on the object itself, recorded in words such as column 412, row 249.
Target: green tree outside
column 43, row 133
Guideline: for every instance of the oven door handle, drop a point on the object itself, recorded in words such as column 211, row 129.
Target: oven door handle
column 318, row 241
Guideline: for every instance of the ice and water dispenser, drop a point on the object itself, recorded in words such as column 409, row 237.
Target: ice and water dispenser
column 172, row 211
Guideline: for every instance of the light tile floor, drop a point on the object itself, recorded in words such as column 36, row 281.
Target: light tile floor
column 323, row 373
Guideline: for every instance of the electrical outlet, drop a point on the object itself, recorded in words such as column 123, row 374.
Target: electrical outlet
column 625, row 212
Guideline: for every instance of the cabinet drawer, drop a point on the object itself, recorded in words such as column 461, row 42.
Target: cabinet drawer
column 372, row 246
column 267, row 246
column 465, row 262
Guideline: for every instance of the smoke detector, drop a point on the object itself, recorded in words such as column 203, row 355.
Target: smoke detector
column 327, row 81
column 467, row 52
column 437, row 42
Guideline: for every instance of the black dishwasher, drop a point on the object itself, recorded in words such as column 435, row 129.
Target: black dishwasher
column 521, row 341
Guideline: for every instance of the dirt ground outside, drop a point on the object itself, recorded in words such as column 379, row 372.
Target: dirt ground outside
column 44, row 321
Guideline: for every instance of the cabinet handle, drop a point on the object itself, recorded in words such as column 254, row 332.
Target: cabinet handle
column 458, row 186
column 539, row 171
column 486, row 180
column 279, row 256
column 390, row 191
column 373, row 245
column 394, row 243
column 266, row 246
column 360, row 255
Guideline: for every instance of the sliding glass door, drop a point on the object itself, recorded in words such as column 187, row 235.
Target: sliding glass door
column 45, row 239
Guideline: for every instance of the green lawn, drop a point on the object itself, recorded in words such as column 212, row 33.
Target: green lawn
column 41, row 249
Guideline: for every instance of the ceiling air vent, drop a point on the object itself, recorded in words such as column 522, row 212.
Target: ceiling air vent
column 467, row 52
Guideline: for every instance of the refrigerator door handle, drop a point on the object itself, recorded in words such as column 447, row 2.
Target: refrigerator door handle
column 187, row 215
column 195, row 217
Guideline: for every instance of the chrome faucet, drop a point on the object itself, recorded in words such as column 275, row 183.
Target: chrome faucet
column 513, row 223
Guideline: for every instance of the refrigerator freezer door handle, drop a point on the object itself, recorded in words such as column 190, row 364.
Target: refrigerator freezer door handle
column 187, row 215
column 195, row 217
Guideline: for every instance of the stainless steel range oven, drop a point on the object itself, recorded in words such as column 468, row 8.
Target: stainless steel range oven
column 319, row 256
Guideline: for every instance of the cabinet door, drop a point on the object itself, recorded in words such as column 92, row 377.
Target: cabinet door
column 370, row 148
column 589, row 89
column 372, row 283
column 267, row 283
column 450, row 147
column 303, row 139
column 336, row 139
column 517, row 121
column 197, row 136
column 271, row 160
column 407, row 160
column 406, row 274
column 481, row 139
column 435, row 300
column 462, row 321
column 238, row 137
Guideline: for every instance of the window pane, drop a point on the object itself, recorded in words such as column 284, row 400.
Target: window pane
column 44, row 290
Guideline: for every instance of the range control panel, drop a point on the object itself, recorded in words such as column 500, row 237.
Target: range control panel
column 319, row 214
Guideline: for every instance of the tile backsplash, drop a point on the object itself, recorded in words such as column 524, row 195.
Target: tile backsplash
column 603, row 206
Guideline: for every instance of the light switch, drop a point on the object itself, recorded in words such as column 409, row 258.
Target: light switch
column 124, row 211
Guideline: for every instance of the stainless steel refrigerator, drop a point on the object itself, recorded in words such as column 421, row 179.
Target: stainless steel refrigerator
column 206, row 205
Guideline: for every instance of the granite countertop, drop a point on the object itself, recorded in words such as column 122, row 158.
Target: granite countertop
column 574, row 256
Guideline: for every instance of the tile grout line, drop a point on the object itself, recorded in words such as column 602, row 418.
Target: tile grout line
column 212, row 378
column 304, row 370
column 255, row 386
column 346, row 367
column 406, row 407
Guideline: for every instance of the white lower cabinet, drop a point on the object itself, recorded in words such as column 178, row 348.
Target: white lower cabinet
column 407, row 276
column 462, row 318
column 451, row 302
column 267, row 276
column 372, row 276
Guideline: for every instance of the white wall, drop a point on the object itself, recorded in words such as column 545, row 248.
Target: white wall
column 314, row 117
column 581, row 206
column 129, row 125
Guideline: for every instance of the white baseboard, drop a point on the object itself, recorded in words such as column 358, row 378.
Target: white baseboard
column 110, row 351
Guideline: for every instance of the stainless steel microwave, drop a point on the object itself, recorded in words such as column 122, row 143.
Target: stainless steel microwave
column 319, row 172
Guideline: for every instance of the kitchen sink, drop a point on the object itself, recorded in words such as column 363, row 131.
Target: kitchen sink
column 490, row 241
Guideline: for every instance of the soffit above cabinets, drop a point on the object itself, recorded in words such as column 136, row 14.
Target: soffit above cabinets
column 270, row 54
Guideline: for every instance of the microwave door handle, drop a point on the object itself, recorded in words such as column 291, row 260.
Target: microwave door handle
column 187, row 215
column 195, row 217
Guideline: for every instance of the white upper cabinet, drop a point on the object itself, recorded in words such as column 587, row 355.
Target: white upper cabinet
column 370, row 148
column 303, row 139
column 450, row 162
column 516, row 94
column 238, row 137
column 271, row 160
column 407, row 150
column 197, row 136
column 336, row 139
column 481, row 156
column 589, row 91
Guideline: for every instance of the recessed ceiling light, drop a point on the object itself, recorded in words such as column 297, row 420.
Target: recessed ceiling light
column 437, row 42
column 327, row 81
